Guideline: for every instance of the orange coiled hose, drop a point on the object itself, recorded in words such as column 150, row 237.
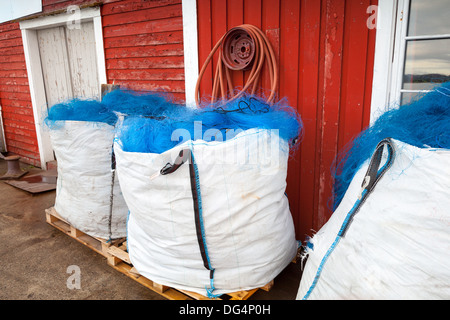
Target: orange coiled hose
column 222, row 77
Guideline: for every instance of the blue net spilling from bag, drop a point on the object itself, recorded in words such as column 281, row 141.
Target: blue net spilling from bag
column 425, row 122
column 213, row 122
column 153, row 123
column 118, row 101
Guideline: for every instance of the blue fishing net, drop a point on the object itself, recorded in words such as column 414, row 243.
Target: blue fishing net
column 214, row 122
column 425, row 122
column 121, row 101
column 79, row 110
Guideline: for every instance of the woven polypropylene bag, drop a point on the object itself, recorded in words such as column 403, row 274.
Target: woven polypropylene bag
column 88, row 193
column 397, row 245
column 246, row 225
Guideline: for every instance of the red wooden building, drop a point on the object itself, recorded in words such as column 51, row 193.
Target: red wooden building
column 340, row 63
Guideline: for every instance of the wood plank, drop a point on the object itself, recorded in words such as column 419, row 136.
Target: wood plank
column 307, row 103
column 55, row 64
column 163, row 50
column 329, row 104
column 204, row 45
column 144, row 75
column 11, row 34
column 118, row 258
column 119, row 253
column 288, row 87
column 235, row 18
column 127, row 6
column 170, row 62
column 170, row 24
column 8, row 43
column 354, row 63
column 144, row 39
column 10, row 64
column 83, row 64
column 12, row 51
column 164, row 86
column 141, row 15
column 15, row 88
column 13, row 73
column 14, row 82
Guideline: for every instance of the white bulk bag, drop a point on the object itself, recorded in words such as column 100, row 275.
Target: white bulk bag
column 390, row 242
column 243, row 224
column 85, row 179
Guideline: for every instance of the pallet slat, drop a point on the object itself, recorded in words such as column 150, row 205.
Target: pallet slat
column 117, row 257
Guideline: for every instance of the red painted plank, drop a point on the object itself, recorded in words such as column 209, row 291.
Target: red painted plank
column 12, row 34
column 7, row 43
column 17, row 104
column 10, row 65
column 170, row 62
column 166, row 85
column 235, row 18
column 15, row 95
column 8, row 26
column 13, row 73
column 21, row 110
column 310, row 13
column 170, row 24
column 14, row 81
column 18, row 117
column 136, row 5
column 252, row 15
column 152, row 39
column 289, row 68
column 154, row 74
column 11, row 58
column 271, row 27
column 353, row 71
column 30, row 134
column 155, row 13
column 12, row 125
column 12, row 51
column 329, row 104
column 205, row 45
column 15, row 89
column 162, row 50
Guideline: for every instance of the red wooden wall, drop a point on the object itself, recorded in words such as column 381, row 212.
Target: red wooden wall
column 144, row 45
column 325, row 53
column 18, row 120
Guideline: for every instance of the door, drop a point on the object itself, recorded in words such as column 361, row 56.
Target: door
column 64, row 60
column 69, row 64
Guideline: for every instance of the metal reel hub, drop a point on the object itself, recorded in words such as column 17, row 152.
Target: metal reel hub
column 238, row 49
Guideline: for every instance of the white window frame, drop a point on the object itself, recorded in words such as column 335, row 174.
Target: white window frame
column 34, row 69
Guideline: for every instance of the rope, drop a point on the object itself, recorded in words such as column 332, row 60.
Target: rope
column 222, row 77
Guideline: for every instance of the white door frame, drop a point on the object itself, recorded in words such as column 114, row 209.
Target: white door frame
column 34, row 68
column 190, row 46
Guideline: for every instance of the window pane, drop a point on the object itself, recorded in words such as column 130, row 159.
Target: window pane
column 429, row 17
column 408, row 97
column 427, row 63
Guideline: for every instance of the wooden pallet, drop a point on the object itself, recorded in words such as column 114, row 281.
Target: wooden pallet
column 117, row 257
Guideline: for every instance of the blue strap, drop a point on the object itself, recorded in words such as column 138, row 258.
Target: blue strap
column 373, row 175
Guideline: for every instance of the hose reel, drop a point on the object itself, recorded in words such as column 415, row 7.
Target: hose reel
column 242, row 48
column 238, row 49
